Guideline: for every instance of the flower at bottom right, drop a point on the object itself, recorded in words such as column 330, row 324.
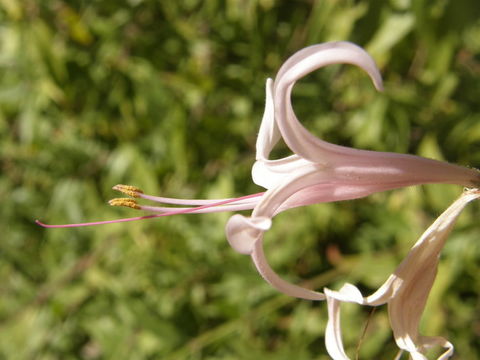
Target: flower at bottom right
column 405, row 291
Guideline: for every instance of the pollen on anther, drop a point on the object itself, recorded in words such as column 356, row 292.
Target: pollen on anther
column 125, row 202
column 129, row 190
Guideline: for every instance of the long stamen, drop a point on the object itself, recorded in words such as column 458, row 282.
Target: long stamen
column 198, row 209
column 211, row 206
column 241, row 204
column 135, row 192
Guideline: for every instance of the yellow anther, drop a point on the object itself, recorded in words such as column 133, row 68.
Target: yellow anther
column 125, row 202
column 129, row 190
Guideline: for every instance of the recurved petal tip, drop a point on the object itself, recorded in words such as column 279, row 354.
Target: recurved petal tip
column 242, row 232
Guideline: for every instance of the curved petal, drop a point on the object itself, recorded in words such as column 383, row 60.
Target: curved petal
column 271, row 173
column 303, row 177
column 300, row 140
column 308, row 184
column 406, row 291
column 268, row 134
column 267, row 207
column 246, row 236
column 333, row 332
column 429, row 342
column 261, row 263
column 418, row 272
column 242, row 232
column 353, row 165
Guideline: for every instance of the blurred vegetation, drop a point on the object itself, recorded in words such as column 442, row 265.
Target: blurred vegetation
column 168, row 96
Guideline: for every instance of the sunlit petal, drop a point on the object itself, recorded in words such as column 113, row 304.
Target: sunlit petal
column 243, row 232
column 305, row 61
column 333, row 331
column 406, row 290
column 269, row 133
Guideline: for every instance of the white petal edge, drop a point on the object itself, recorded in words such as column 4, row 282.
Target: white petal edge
column 269, row 133
column 333, row 332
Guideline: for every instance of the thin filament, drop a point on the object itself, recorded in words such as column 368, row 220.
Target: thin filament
column 177, row 211
column 197, row 210
column 201, row 202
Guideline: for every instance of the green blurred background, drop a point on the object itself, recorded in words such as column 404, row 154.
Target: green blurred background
column 168, row 96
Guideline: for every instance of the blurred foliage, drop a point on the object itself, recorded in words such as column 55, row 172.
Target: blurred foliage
column 168, row 96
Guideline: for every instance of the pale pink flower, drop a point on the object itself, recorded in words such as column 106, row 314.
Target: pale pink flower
column 318, row 172
column 405, row 291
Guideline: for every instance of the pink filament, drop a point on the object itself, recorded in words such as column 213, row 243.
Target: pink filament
column 177, row 211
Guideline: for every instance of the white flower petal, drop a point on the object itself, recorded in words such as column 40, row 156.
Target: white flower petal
column 333, row 332
column 418, row 272
column 270, row 173
column 242, row 232
column 268, row 207
column 429, row 342
column 299, row 139
column 348, row 293
column 387, row 170
column 322, row 172
column 264, row 269
column 406, row 290
column 269, row 134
